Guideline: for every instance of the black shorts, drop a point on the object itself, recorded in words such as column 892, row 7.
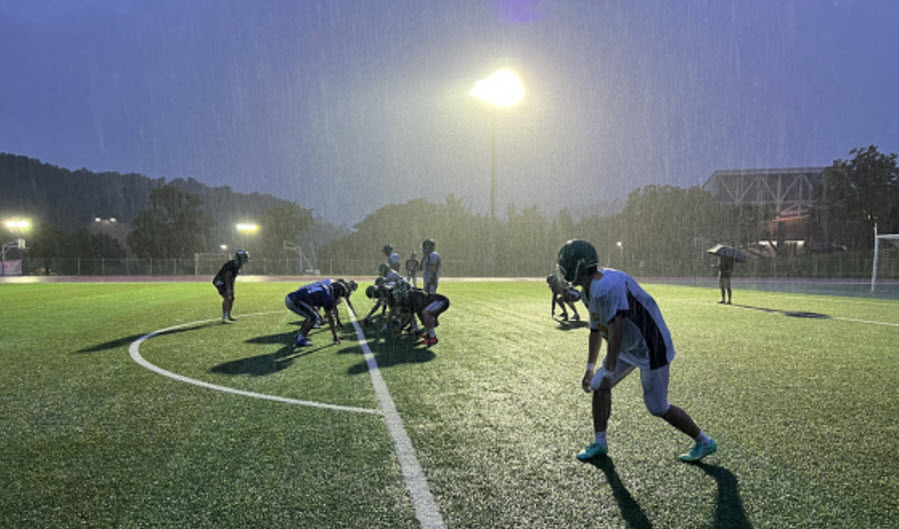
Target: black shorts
column 222, row 287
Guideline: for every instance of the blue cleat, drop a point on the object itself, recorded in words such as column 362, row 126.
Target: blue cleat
column 594, row 450
column 699, row 451
column 302, row 341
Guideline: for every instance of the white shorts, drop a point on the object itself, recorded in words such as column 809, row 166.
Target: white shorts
column 654, row 382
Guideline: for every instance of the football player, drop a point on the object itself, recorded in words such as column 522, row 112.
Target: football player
column 563, row 293
column 224, row 282
column 430, row 266
column 629, row 319
column 306, row 301
column 393, row 258
column 409, row 302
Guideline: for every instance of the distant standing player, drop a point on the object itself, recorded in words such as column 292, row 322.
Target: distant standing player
column 224, row 282
column 430, row 266
column 630, row 320
column 393, row 258
column 725, row 271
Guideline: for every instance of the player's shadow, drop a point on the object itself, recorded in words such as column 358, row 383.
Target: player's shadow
column 389, row 352
column 567, row 325
column 127, row 340
column 264, row 364
column 792, row 314
column 633, row 515
column 729, row 511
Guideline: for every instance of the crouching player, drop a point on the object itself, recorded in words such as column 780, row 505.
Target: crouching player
column 630, row 320
column 306, row 301
column 408, row 303
column 377, row 293
column 563, row 293
column 342, row 289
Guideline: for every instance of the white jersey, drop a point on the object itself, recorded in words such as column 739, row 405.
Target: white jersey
column 393, row 277
column 431, row 272
column 394, row 261
column 646, row 342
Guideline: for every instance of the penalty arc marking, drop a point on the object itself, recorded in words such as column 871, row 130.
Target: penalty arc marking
column 426, row 511
column 134, row 350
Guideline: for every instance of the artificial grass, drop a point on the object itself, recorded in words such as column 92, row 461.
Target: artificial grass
column 801, row 403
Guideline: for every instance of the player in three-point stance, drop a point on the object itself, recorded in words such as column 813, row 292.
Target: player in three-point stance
column 563, row 293
column 224, row 282
column 630, row 321
column 306, row 301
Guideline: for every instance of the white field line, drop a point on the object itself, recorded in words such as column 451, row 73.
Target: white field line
column 134, row 350
column 829, row 317
column 425, row 507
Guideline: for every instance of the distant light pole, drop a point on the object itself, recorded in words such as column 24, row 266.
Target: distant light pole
column 17, row 225
column 501, row 89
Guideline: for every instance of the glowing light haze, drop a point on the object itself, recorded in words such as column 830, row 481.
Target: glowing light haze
column 347, row 106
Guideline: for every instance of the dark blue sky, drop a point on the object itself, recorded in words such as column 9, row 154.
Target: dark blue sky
column 347, row 105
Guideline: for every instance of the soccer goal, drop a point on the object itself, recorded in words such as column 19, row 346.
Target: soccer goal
column 892, row 238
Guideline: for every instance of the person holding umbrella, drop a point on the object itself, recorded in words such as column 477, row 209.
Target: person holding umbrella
column 727, row 255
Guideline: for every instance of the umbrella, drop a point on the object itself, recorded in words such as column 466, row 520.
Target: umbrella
column 727, row 251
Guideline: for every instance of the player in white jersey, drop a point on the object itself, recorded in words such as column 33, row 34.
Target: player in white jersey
column 630, row 321
column 430, row 266
column 393, row 258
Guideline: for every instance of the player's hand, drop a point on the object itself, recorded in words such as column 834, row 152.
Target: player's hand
column 585, row 383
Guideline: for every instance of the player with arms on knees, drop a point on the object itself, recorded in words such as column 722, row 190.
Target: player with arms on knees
column 430, row 266
column 224, row 282
column 563, row 293
column 306, row 301
column 630, row 321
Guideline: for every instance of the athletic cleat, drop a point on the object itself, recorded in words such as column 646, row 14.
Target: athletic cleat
column 594, row 450
column 699, row 451
column 431, row 340
column 232, row 318
column 225, row 321
column 302, row 341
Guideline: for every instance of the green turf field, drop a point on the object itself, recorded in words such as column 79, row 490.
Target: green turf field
column 799, row 391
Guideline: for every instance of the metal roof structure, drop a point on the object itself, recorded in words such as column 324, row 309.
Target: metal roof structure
column 790, row 190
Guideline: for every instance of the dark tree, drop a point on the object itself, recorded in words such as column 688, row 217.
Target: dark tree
column 174, row 225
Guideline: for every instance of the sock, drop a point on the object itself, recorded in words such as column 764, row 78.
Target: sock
column 702, row 438
column 601, row 439
column 224, row 316
column 431, row 333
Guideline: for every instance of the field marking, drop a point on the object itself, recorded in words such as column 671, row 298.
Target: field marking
column 425, row 507
column 829, row 316
column 134, row 350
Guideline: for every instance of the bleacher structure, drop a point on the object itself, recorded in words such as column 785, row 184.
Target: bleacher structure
column 791, row 190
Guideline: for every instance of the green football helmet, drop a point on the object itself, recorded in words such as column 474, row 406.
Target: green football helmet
column 575, row 256
column 371, row 292
column 242, row 257
column 351, row 285
column 383, row 268
column 388, row 249
column 428, row 245
column 379, row 281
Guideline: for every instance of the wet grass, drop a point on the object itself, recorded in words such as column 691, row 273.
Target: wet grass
column 799, row 391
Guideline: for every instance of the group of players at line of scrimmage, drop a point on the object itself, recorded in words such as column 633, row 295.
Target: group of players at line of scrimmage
column 390, row 291
column 620, row 312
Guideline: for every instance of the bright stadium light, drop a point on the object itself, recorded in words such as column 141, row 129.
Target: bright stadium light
column 502, row 88
column 224, row 247
column 247, row 227
column 17, row 224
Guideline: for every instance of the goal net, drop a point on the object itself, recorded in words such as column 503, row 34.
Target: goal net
column 883, row 244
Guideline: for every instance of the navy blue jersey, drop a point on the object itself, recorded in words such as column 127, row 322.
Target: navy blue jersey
column 222, row 277
column 318, row 295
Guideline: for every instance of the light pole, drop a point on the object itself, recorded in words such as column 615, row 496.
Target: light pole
column 501, row 89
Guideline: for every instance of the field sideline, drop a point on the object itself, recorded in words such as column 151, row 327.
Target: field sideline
column 799, row 391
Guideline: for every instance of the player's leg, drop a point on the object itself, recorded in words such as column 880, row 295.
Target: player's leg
column 729, row 293
column 722, row 288
column 311, row 316
column 602, row 409
column 226, row 301
column 655, row 396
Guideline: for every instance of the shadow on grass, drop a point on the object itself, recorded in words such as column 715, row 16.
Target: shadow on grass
column 729, row 512
column 567, row 325
column 792, row 314
column 126, row 341
column 264, row 364
column 633, row 515
column 390, row 352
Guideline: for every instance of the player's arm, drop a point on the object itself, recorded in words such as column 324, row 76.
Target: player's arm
column 553, row 311
column 350, row 305
column 330, row 314
column 612, row 351
column 592, row 354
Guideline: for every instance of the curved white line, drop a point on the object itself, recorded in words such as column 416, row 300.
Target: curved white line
column 134, row 350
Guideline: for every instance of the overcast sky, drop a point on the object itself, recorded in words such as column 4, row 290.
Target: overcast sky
column 346, row 105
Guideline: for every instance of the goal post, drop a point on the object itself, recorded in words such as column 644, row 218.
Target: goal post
column 892, row 238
